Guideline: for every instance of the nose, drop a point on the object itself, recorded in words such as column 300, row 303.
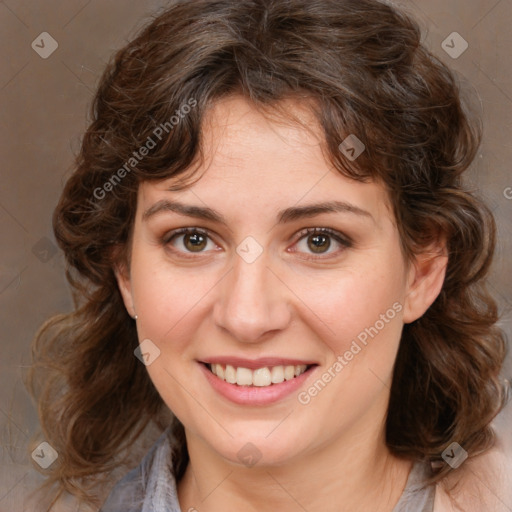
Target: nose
column 251, row 301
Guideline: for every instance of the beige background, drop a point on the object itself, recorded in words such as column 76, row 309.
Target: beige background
column 43, row 104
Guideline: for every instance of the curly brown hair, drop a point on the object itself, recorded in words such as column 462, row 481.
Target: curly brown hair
column 361, row 67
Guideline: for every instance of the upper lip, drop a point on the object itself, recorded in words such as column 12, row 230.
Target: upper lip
column 253, row 364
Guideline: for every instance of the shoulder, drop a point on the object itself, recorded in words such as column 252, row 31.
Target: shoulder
column 482, row 483
column 130, row 493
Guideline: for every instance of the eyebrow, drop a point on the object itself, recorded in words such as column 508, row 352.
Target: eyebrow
column 284, row 216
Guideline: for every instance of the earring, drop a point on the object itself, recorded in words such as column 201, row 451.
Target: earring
column 135, row 317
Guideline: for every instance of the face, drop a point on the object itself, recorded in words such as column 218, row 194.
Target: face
column 280, row 275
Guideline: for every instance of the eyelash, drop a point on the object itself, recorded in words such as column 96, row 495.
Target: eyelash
column 343, row 240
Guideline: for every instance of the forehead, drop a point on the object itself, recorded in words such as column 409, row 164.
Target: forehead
column 272, row 157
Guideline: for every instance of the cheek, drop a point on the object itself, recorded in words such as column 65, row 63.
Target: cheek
column 168, row 299
column 355, row 303
column 364, row 315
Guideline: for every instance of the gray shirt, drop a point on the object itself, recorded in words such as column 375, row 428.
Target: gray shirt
column 151, row 487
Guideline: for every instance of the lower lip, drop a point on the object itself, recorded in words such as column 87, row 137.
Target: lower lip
column 255, row 395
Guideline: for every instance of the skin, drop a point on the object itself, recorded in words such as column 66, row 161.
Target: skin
column 290, row 302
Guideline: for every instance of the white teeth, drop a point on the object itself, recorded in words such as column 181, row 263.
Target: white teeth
column 289, row 372
column 230, row 374
column 277, row 375
column 260, row 377
column 219, row 370
column 300, row 368
column 243, row 377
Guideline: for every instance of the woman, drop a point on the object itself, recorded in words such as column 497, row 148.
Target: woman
column 268, row 235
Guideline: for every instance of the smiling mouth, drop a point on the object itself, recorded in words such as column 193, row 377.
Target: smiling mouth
column 259, row 377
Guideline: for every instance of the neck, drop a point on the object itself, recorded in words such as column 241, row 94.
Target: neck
column 344, row 476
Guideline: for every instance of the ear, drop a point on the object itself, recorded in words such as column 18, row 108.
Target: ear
column 425, row 281
column 122, row 274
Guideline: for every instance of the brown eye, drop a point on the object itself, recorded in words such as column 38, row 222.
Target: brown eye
column 189, row 240
column 319, row 243
column 195, row 242
column 323, row 242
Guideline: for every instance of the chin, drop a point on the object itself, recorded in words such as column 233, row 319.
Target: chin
column 258, row 449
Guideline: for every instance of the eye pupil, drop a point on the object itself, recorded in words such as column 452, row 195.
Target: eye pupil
column 319, row 243
column 195, row 241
